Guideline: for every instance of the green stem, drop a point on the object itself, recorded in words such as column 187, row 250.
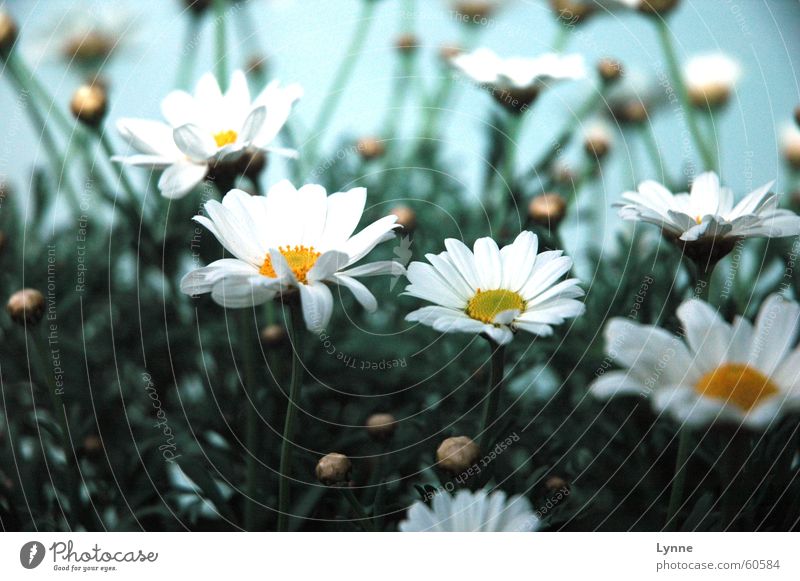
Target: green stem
column 26, row 84
column 291, row 412
column 493, row 392
column 679, row 480
column 562, row 38
column 505, row 185
column 363, row 519
column 124, row 180
column 341, row 78
column 66, row 124
column 251, row 435
column 680, row 89
column 187, row 63
column 220, row 44
column 702, row 280
column 435, row 107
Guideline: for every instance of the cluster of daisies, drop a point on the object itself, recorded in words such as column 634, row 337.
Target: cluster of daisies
column 302, row 241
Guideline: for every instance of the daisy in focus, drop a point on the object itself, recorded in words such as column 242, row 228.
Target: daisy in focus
column 494, row 292
column 207, row 129
column 741, row 373
column 708, row 213
column 471, row 512
column 291, row 240
column 711, row 78
column 516, row 82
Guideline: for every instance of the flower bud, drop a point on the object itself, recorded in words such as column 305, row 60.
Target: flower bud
column 89, row 104
column 473, row 11
column 406, row 43
column 457, row 454
column 257, row 64
column 572, row 11
column 8, row 32
column 26, row 306
column 447, row 52
column 555, row 483
column 633, row 111
column 274, row 336
column 381, row 426
column 89, row 48
column 371, row 148
column 548, row 209
column 659, row 7
column 609, row 69
column 406, row 217
column 333, row 469
column 797, row 115
column 92, row 444
column 597, row 141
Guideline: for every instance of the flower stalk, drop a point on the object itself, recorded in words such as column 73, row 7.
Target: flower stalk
column 291, row 413
column 679, row 480
column 678, row 83
column 493, row 391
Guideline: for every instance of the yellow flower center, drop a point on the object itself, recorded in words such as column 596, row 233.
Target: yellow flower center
column 486, row 305
column 224, row 138
column 738, row 384
column 300, row 259
column 698, row 219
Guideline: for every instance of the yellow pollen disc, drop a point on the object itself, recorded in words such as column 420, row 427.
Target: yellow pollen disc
column 486, row 305
column 738, row 384
column 698, row 219
column 300, row 259
column 225, row 137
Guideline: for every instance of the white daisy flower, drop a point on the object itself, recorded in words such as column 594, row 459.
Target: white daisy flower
column 515, row 82
column 710, row 78
column 708, row 213
column 207, row 128
column 291, row 240
column 494, row 292
column 471, row 512
column 736, row 373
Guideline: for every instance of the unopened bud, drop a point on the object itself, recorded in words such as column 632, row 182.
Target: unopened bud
column 659, row 7
column 333, row 469
column 474, row 11
column 633, row 111
column 26, row 306
column 257, row 64
column 406, row 43
column 548, row 209
column 457, row 454
column 609, row 69
column 8, row 32
column 381, row 426
column 89, row 104
column 447, row 52
column 597, row 143
column 273, row 336
column 572, row 11
column 406, row 217
column 556, row 483
column 371, row 148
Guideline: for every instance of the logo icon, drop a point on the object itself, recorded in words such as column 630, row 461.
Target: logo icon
column 31, row 554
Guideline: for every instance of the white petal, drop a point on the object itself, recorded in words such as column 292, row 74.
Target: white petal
column 317, row 303
column 343, row 215
column 360, row 292
column 181, row 178
column 195, row 142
